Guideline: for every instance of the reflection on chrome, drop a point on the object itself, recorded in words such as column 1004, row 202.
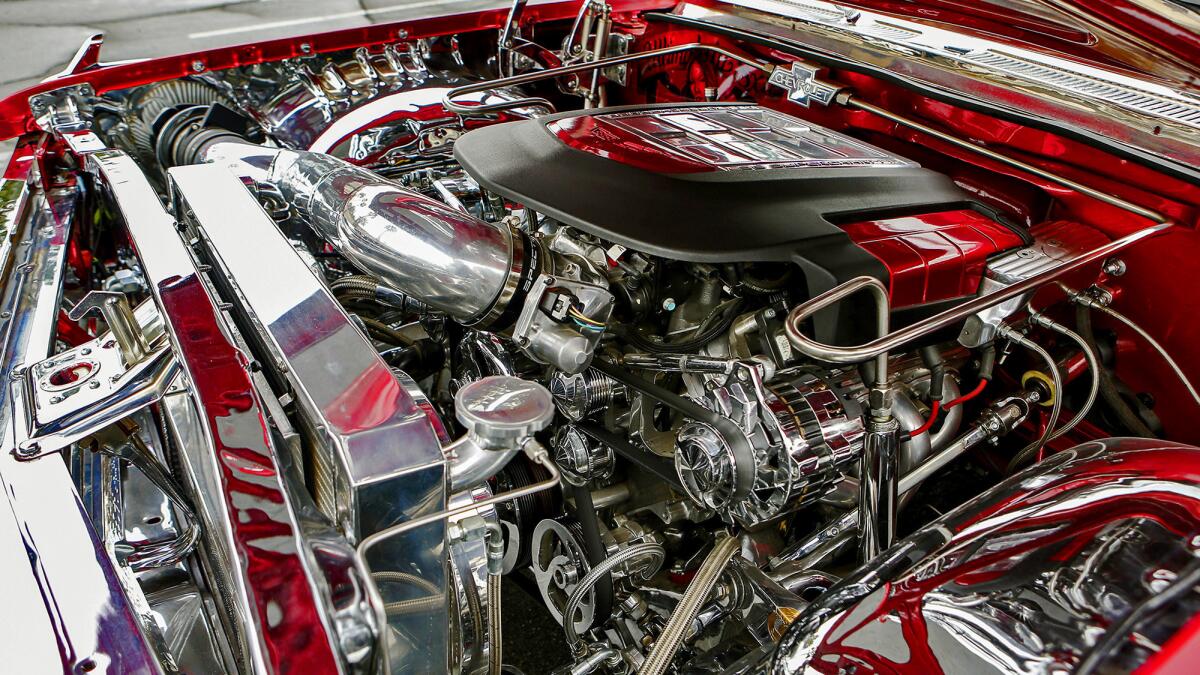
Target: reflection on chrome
column 610, row 337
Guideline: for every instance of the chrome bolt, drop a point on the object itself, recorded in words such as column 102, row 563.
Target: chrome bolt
column 305, row 48
column 1114, row 267
column 198, row 66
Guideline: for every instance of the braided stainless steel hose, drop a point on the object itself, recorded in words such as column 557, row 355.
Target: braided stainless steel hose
column 1056, row 378
column 495, row 637
column 1087, row 301
column 656, row 554
column 1093, row 362
column 667, row 645
column 426, row 603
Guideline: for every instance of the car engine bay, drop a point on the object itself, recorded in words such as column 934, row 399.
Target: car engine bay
column 611, row 309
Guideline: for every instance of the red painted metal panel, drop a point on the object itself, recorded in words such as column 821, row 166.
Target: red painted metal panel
column 933, row 256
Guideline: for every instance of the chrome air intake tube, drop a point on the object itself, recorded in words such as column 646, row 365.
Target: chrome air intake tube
column 468, row 268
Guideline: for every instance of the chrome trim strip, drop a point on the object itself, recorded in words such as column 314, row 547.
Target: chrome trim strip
column 64, row 608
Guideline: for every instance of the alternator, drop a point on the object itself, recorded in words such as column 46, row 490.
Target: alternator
column 800, row 434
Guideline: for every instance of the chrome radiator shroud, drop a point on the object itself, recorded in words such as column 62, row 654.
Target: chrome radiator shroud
column 375, row 458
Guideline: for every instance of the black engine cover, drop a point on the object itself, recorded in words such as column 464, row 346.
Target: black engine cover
column 709, row 183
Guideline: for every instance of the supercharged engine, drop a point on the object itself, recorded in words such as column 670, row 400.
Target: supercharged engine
column 656, row 341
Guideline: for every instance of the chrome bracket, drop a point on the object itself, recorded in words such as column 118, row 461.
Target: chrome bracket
column 618, row 45
column 67, row 113
column 113, row 306
column 802, row 85
column 78, row 392
column 122, row 442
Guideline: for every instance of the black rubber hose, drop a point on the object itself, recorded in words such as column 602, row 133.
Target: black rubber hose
column 596, row 553
column 987, row 361
column 937, row 371
column 1108, row 385
column 385, row 333
column 420, row 359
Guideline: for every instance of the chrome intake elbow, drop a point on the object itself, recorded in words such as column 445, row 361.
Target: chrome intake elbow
column 468, row 268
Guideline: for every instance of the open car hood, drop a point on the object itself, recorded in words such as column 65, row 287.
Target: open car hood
column 1154, row 37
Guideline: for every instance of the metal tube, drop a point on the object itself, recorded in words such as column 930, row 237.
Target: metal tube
column 898, row 338
column 447, row 259
column 1151, row 214
column 823, row 352
column 912, row 479
column 599, row 46
column 550, row 73
column 533, row 449
column 877, row 490
column 506, row 35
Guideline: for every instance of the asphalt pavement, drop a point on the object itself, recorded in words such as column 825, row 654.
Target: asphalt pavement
column 38, row 37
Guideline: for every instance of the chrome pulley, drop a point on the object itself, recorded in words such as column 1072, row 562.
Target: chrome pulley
column 559, row 562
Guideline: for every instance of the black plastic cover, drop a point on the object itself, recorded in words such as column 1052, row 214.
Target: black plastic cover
column 770, row 209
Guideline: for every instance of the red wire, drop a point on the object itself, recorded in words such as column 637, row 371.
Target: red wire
column 937, row 408
column 968, row 396
column 933, row 413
